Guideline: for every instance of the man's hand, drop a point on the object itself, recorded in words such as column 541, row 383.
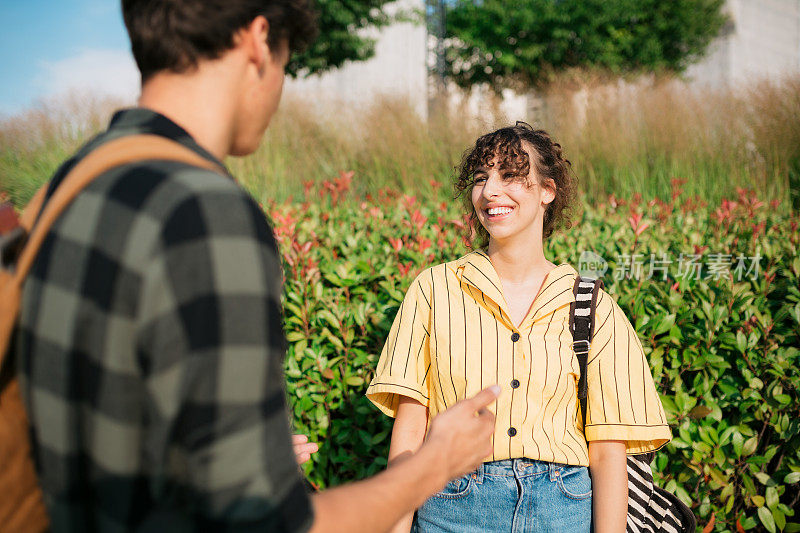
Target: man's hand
column 458, row 440
column 460, row 436
column 303, row 449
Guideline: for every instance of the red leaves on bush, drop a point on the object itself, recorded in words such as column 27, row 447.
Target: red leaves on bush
column 336, row 189
column 758, row 229
column 344, row 181
column 635, row 221
column 423, row 243
column 418, row 219
column 307, row 186
column 710, row 526
column 397, row 244
column 408, row 201
column 301, row 249
column 284, row 224
column 677, row 187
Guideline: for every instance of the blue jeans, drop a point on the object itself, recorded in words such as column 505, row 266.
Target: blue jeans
column 511, row 496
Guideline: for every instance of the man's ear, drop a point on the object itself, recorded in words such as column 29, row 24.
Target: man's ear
column 254, row 39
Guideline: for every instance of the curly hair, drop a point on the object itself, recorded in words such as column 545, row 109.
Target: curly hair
column 505, row 145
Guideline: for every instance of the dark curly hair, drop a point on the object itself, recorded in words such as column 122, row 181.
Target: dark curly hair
column 506, row 146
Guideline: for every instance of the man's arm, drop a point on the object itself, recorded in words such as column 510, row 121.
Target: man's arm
column 608, row 465
column 457, row 442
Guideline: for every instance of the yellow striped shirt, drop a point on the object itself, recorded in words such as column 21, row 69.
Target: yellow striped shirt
column 453, row 336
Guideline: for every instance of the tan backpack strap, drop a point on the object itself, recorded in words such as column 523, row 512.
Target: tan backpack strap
column 112, row 154
column 31, row 211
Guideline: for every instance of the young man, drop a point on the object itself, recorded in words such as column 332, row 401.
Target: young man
column 150, row 345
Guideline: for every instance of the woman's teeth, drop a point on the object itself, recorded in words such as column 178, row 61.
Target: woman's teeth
column 498, row 210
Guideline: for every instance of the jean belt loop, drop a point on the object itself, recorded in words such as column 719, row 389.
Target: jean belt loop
column 479, row 474
column 553, row 469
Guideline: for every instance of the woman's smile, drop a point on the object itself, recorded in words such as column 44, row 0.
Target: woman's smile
column 495, row 213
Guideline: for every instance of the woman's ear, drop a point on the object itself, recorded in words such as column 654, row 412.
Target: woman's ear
column 549, row 191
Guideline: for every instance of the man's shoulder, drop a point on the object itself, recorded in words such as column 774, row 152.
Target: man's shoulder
column 157, row 188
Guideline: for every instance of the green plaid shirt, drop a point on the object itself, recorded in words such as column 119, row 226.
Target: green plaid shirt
column 150, row 352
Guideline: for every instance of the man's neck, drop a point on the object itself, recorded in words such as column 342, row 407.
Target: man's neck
column 202, row 102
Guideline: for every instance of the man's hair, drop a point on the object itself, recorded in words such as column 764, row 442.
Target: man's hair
column 174, row 35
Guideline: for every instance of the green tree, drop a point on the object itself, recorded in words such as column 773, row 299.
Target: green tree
column 341, row 37
column 524, row 42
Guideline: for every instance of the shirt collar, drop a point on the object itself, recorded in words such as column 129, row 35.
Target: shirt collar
column 476, row 269
column 139, row 120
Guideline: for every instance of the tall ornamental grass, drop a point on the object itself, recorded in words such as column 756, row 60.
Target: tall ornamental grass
column 621, row 138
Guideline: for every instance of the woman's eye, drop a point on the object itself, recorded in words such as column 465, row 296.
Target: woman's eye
column 479, row 179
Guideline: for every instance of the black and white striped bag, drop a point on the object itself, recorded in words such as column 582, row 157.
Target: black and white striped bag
column 650, row 508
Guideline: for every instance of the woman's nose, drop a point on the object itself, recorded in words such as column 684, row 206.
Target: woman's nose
column 491, row 187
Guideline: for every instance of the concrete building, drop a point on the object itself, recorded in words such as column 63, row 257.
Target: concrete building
column 762, row 40
column 398, row 69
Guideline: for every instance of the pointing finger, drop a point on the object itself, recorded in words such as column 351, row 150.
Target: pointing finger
column 484, row 398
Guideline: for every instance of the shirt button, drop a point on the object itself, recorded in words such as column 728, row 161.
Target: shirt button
column 512, row 431
column 514, row 383
column 514, row 337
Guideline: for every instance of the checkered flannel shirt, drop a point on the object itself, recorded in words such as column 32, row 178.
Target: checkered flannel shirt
column 150, row 352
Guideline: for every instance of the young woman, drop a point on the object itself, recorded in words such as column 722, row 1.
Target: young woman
column 501, row 315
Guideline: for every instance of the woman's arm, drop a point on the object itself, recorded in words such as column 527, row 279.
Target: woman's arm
column 609, row 467
column 407, row 436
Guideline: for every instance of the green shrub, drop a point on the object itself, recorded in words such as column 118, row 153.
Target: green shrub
column 724, row 351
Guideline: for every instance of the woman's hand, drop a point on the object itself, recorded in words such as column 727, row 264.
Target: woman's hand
column 303, row 449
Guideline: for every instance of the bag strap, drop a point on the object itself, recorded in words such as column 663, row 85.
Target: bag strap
column 115, row 153
column 581, row 324
column 39, row 216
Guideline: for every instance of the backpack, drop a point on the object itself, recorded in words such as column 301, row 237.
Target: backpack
column 651, row 509
column 22, row 506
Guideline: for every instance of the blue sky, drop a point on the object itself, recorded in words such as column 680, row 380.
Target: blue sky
column 51, row 47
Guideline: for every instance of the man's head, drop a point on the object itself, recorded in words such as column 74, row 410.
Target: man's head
column 175, row 35
column 241, row 46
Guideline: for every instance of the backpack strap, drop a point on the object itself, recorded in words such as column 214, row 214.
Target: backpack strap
column 581, row 324
column 38, row 217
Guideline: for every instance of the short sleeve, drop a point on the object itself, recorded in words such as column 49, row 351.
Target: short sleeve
column 405, row 359
column 623, row 403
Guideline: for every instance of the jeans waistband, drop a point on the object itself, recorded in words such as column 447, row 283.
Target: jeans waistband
column 521, row 467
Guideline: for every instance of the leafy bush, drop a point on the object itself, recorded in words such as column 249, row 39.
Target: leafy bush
column 502, row 42
column 724, row 351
